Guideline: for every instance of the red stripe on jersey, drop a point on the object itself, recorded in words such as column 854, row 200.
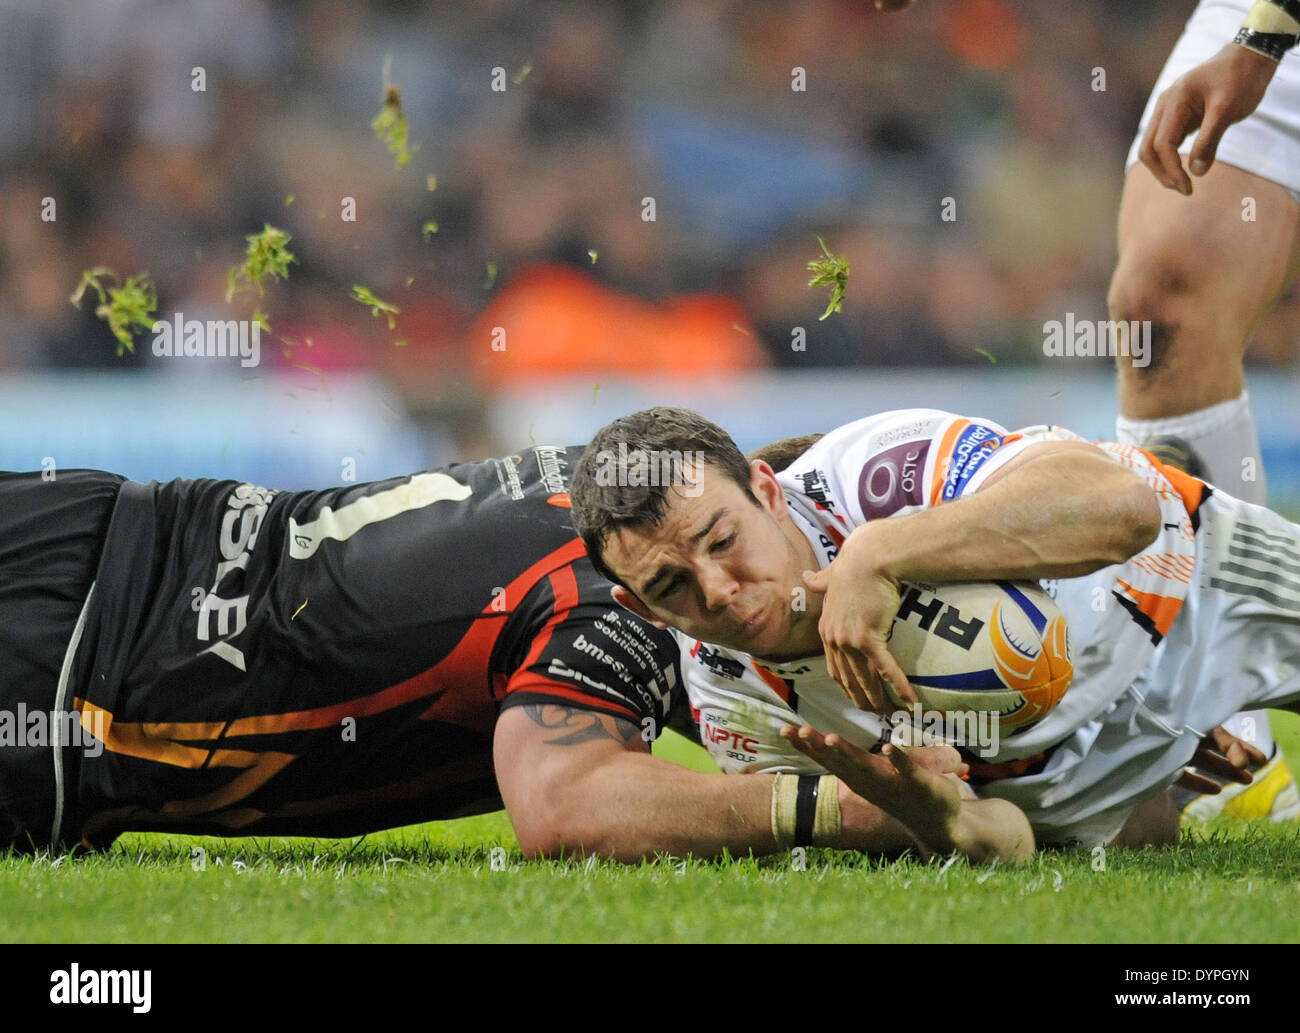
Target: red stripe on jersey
column 565, row 587
column 559, row 558
column 469, row 663
column 532, row 682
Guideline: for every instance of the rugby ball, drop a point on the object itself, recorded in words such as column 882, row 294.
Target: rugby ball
column 996, row 647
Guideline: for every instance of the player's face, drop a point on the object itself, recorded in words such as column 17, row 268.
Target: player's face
column 723, row 569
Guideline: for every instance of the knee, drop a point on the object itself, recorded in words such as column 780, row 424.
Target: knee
column 1156, row 298
column 1153, row 287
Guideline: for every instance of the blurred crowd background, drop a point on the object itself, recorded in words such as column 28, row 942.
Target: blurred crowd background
column 540, row 195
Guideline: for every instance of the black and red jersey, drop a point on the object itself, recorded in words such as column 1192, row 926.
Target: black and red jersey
column 332, row 662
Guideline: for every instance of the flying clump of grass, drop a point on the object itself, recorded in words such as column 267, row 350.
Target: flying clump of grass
column 266, row 256
column 830, row 271
column 375, row 304
column 390, row 125
column 126, row 307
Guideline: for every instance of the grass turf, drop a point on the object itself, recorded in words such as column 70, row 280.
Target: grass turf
column 442, row 882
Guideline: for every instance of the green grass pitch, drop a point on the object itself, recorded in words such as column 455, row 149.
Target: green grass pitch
column 441, row 882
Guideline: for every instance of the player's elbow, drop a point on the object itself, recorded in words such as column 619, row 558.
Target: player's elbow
column 557, row 828
column 1135, row 519
column 545, row 831
column 565, row 842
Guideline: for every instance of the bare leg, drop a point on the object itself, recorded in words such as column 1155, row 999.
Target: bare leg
column 1204, row 275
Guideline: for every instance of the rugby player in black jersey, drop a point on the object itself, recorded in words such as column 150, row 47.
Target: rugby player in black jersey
column 212, row 657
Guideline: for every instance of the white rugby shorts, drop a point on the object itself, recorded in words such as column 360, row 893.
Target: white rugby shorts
column 1234, row 646
column 1267, row 143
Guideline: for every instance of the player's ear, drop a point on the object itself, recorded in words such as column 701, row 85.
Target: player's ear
column 766, row 488
column 629, row 601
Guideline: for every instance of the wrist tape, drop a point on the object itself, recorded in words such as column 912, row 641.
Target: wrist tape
column 805, row 810
column 1271, row 28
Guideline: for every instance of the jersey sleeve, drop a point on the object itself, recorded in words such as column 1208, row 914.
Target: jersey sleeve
column 903, row 461
column 600, row 658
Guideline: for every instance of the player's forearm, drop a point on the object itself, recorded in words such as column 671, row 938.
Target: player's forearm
column 1065, row 514
column 635, row 806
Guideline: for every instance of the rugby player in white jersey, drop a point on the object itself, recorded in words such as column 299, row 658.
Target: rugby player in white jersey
column 1200, row 593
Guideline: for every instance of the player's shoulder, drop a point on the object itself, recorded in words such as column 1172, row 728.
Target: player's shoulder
column 600, row 656
column 892, row 461
column 893, row 434
column 879, row 430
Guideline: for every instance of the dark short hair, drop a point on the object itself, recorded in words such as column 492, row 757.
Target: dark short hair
column 780, row 454
column 600, row 508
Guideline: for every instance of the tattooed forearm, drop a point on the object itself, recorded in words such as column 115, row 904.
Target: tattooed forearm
column 579, row 725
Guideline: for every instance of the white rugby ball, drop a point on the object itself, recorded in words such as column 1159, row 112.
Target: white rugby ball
column 996, row 647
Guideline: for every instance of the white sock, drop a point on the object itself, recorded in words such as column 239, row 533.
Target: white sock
column 1222, row 435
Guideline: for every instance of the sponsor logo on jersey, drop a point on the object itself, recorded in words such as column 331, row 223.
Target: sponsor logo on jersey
column 650, row 678
column 551, row 464
column 716, row 734
column 736, row 744
column 559, row 669
column 892, row 480
column 817, row 488
column 717, row 663
column 245, row 510
column 918, row 429
column 596, row 653
column 976, row 443
column 508, row 475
